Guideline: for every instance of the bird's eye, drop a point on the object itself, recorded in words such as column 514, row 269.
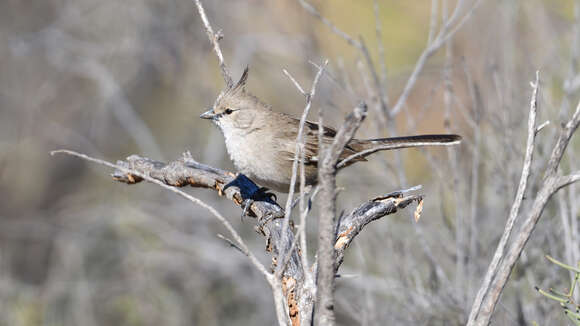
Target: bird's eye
column 228, row 111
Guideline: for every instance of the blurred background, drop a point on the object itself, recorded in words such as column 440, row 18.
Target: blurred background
column 112, row 78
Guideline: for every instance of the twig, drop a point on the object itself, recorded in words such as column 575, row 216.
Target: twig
column 483, row 309
column 300, row 89
column 431, row 48
column 542, row 126
column 187, row 196
column 515, row 209
column 299, row 150
column 566, row 180
column 347, row 87
column 476, row 116
column 383, row 111
column 328, row 23
column 230, row 242
column 380, row 46
column 353, row 223
column 299, row 290
column 433, row 20
column 329, row 156
column 359, row 45
column 214, row 39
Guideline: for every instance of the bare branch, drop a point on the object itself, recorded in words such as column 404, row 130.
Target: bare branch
column 384, row 109
column 542, row 126
column 482, row 310
column 214, row 39
column 433, row 20
column 431, row 48
column 380, row 45
column 352, row 224
column 300, row 89
column 347, row 87
column 293, row 286
column 567, row 180
column 515, row 209
column 328, row 23
column 299, row 150
column 230, row 242
column 326, row 222
column 562, row 143
column 132, row 173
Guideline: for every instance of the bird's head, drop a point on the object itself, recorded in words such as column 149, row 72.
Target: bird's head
column 235, row 108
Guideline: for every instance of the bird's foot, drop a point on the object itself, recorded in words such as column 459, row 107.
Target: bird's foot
column 260, row 194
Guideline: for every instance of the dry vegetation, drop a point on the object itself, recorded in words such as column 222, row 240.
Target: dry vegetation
column 113, row 78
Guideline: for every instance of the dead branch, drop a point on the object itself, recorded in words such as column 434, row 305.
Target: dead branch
column 298, row 155
column 326, row 221
column 497, row 275
column 352, row 224
column 185, row 171
column 515, row 209
column 215, row 39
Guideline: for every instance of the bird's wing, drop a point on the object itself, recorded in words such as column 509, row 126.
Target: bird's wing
column 310, row 136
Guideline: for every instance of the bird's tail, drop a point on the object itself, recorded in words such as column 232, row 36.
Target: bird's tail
column 366, row 147
column 408, row 141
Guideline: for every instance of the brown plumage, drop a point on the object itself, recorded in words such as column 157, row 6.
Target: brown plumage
column 262, row 142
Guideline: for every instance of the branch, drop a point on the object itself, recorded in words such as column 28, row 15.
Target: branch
column 308, row 7
column 567, row 180
column 352, row 224
column 298, row 157
column 380, row 45
column 431, row 49
column 326, row 227
column 214, row 39
column 515, row 209
column 446, row 32
column 126, row 172
column 293, row 285
column 551, row 183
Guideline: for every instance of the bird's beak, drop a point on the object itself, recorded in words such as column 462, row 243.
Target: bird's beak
column 210, row 115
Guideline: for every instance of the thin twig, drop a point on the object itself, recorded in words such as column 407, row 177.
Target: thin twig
column 383, row 113
column 433, row 20
column 542, row 126
column 566, row 180
column 346, row 87
column 515, row 209
column 380, row 46
column 300, row 89
column 328, row 23
column 230, row 242
column 483, row 309
column 298, row 150
column 185, row 195
column 214, row 39
column 431, row 48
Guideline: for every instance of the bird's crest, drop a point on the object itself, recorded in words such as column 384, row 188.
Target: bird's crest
column 238, row 87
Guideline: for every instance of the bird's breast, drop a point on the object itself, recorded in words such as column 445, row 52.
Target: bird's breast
column 257, row 156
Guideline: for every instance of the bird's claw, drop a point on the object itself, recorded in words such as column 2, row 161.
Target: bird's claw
column 260, row 194
column 246, row 204
column 264, row 192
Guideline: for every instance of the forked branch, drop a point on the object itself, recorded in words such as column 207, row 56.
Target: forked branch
column 185, row 171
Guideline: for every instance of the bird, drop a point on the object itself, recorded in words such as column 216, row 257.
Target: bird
column 262, row 142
